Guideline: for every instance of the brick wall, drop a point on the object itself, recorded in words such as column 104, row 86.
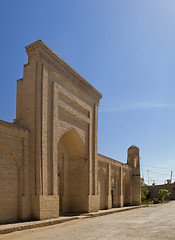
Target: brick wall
column 15, row 195
column 154, row 191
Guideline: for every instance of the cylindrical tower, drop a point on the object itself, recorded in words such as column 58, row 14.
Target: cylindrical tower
column 134, row 162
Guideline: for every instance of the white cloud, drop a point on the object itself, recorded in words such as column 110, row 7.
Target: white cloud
column 135, row 106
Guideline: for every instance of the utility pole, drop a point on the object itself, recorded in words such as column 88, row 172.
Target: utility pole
column 148, row 177
column 142, row 174
column 171, row 177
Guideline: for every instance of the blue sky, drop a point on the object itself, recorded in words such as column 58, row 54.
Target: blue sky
column 125, row 48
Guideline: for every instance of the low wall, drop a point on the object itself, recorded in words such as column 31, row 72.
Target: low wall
column 154, row 191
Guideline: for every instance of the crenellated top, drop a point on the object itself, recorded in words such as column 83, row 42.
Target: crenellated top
column 40, row 49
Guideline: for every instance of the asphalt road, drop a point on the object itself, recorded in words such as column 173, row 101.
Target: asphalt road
column 155, row 222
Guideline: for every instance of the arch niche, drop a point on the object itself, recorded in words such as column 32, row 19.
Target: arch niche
column 126, row 191
column 9, row 179
column 72, row 174
column 102, row 188
column 114, row 190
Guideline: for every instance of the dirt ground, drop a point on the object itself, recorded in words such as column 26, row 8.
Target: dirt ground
column 155, row 222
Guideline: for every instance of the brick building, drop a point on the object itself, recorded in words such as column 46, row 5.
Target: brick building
column 48, row 155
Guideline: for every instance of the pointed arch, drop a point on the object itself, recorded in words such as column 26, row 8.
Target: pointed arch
column 77, row 145
column 11, row 154
column 73, row 165
column 101, row 168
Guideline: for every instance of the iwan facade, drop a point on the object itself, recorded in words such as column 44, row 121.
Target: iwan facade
column 48, row 156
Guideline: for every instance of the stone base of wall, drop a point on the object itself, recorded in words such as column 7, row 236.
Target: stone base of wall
column 93, row 203
column 45, row 207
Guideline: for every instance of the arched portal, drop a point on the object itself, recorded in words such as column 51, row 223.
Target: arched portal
column 9, row 180
column 102, row 188
column 72, row 173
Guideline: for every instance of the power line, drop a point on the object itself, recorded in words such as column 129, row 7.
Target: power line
column 156, row 167
column 155, row 172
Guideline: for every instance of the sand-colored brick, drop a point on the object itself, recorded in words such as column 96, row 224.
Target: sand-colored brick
column 50, row 151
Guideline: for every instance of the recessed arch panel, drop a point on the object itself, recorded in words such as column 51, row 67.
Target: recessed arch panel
column 102, row 188
column 126, row 190
column 73, row 173
column 9, row 179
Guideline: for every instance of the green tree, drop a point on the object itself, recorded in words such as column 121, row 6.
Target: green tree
column 163, row 193
column 144, row 193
